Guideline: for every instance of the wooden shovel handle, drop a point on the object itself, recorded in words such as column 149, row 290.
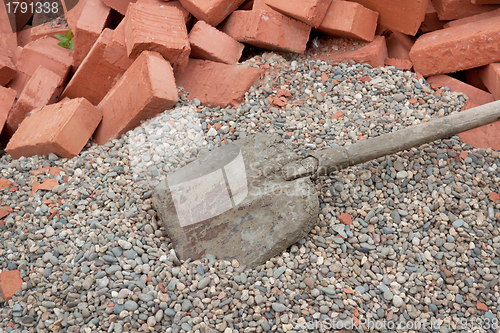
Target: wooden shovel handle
column 334, row 159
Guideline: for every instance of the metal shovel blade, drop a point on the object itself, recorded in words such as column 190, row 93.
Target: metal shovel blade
column 234, row 202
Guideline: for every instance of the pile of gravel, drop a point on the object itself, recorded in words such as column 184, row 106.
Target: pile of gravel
column 420, row 245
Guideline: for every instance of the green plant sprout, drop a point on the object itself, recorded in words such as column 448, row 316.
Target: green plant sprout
column 66, row 41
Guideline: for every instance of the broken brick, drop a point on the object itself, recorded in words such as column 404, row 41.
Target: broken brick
column 146, row 89
column 456, row 9
column 159, row 29
column 310, row 12
column 42, row 89
column 47, row 184
column 404, row 16
column 119, row 5
column 431, row 20
column 213, row 12
column 211, row 44
column 95, row 76
column 116, row 51
column 233, row 82
column 398, row 63
column 494, row 196
column 474, row 18
column 7, row 68
column 45, row 52
column 490, row 76
column 8, row 38
column 48, row 29
column 373, row 53
column 62, row 128
column 431, row 52
column 10, row 283
column 93, row 19
column 72, row 11
column 399, row 45
column 345, row 218
column 7, row 98
column 350, row 20
column 475, row 95
column 267, row 29
column 19, row 82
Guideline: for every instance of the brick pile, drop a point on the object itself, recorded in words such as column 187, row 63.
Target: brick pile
column 130, row 57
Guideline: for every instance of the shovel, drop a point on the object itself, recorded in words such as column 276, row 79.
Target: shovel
column 251, row 199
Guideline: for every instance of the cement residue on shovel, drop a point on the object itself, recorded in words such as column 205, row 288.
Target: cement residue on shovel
column 235, row 203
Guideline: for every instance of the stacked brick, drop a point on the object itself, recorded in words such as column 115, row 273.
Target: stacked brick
column 131, row 56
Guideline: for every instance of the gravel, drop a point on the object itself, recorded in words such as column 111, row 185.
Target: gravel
column 423, row 243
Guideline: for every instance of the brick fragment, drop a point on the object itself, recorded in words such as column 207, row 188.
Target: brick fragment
column 43, row 88
column 146, row 89
column 72, row 11
column 474, row 18
column 24, row 36
column 96, row 75
column 63, row 129
column 399, row 63
column 486, row 2
column 472, row 78
column 116, row 50
column 45, row 52
column 232, row 82
column 350, row 20
column 19, row 82
column 456, row 9
column 475, row 95
column 10, row 282
column 267, row 29
column 404, row 16
column 398, row 50
column 490, row 76
column 211, row 44
column 177, row 4
column 94, row 17
column 373, row 53
column 311, row 12
column 8, row 38
column 457, row 48
column 431, row 20
column 119, row 5
column 7, row 98
column 160, row 29
column 213, row 12
column 487, row 136
column 7, row 68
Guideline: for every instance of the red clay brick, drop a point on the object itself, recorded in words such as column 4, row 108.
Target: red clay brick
column 259, row 5
column 456, row 9
column 93, row 19
column 146, row 89
column 8, row 39
column 475, row 95
column 10, row 282
column 373, row 53
column 116, row 50
column 19, row 82
column 213, row 12
column 247, row 5
column 119, row 5
column 211, row 44
column 457, row 48
column 431, row 20
column 48, row 29
column 404, row 16
column 42, row 89
column 472, row 78
column 24, row 36
column 45, row 52
column 485, row 137
column 23, row 18
column 7, row 98
column 7, row 68
column 490, row 75
column 177, row 4
column 350, row 20
column 160, row 29
column 398, row 63
column 72, row 11
column 267, row 29
column 474, row 18
column 311, row 12
column 232, row 82
column 62, row 128
column 399, row 45
column 486, row 2
column 96, row 75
